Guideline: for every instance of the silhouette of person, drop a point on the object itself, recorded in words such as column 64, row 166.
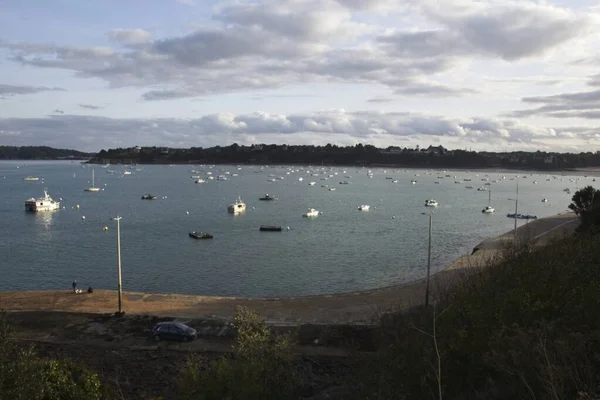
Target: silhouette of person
column 74, row 286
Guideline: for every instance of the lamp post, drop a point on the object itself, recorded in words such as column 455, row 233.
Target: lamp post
column 428, row 260
column 118, row 219
column 516, row 210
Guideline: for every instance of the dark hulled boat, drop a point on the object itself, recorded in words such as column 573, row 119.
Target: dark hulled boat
column 200, row 235
column 270, row 228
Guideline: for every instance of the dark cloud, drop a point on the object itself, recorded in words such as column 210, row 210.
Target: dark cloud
column 11, row 90
column 565, row 105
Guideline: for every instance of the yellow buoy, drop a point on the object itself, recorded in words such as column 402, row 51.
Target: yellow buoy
column 105, row 228
column 77, row 206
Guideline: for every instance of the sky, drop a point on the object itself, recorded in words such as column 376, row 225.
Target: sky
column 466, row 74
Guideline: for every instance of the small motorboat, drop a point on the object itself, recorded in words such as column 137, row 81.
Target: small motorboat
column 200, row 235
column 544, row 200
column 311, row 213
column 237, row 208
column 268, row 197
column 413, row 182
column 527, row 216
column 363, row 207
column 431, row 203
column 488, row 210
column 270, row 228
column 199, row 180
column 513, row 215
column 148, row 197
column 31, row 178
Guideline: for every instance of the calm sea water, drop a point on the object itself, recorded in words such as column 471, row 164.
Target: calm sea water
column 341, row 250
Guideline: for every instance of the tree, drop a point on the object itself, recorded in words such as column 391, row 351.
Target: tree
column 586, row 204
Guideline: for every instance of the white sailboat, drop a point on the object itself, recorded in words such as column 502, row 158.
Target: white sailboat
column 93, row 188
column 489, row 209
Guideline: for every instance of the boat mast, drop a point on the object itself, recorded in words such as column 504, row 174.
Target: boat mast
column 93, row 182
column 490, row 197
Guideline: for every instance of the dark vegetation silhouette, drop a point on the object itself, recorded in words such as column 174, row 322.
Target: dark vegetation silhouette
column 358, row 155
column 40, row 153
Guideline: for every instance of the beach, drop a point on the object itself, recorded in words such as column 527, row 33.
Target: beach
column 356, row 307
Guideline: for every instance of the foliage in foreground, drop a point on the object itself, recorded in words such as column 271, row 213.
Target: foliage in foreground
column 586, row 204
column 526, row 328
column 261, row 367
column 23, row 375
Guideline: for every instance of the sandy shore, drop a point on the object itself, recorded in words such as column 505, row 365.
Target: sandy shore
column 354, row 307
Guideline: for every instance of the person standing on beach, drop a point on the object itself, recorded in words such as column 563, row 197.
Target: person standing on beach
column 74, row 286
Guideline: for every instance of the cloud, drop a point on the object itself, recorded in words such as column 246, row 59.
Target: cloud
column 273, row 44
column 335, row 126
column 90, row 106
column 565, row 105
column 510, row 30
column 11, row 90
column 186, row 2
column 129, row 36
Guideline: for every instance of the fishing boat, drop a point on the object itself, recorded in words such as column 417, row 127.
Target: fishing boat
column 45, row 203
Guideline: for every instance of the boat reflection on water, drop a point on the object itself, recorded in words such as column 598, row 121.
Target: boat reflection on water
column 44, row 219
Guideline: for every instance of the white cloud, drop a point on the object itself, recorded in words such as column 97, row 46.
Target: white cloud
column 129, row 36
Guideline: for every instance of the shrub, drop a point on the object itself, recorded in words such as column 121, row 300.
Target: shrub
column 261, row 366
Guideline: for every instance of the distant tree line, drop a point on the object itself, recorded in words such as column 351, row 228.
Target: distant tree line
column 41, row 153
column 358, row 155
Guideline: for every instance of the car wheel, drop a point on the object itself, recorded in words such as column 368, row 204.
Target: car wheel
column 157, row 338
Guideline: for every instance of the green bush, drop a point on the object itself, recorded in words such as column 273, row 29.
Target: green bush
column 261, row 367
column 23, row 375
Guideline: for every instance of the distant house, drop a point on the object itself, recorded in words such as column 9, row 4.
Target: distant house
column 437, row 150
column 137, row 149
column 164, row 150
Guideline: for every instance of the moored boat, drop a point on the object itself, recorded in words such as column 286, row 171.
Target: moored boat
column 45, row 203
column 31, row 178
column 311, row 212
column 267, row 197
column 431, row 203
column 238, row 207
column 270, row 228
column 363, row 207
column 200, row 235
column 148, row 197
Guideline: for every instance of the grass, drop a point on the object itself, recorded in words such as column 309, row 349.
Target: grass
column 526, row 327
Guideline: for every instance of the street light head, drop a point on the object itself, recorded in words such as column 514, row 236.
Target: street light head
column 117, row 218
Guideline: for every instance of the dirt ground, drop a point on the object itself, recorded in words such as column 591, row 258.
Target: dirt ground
column 122, row 352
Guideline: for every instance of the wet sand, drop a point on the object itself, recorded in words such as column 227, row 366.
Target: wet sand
column 357, row 307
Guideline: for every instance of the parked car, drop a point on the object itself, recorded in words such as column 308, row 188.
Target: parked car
column 173, row 331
